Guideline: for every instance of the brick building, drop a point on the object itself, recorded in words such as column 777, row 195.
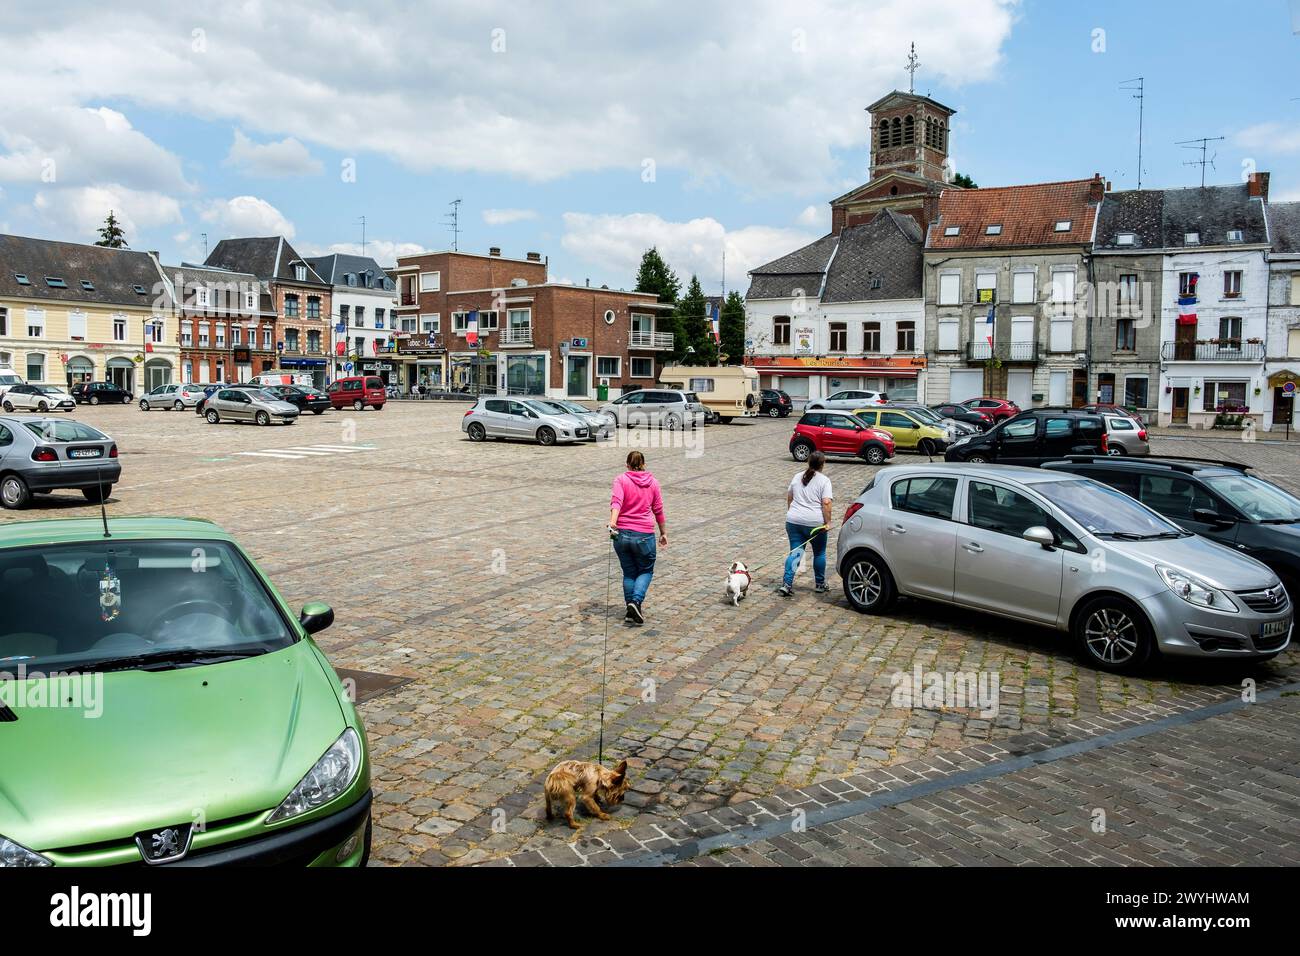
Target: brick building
column 226, row 325
column 298, row 297
column 532, row 336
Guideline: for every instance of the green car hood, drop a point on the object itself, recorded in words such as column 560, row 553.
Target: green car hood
column 205, row 743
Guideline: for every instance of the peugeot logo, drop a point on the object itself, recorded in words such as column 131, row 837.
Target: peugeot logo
column 165, row 845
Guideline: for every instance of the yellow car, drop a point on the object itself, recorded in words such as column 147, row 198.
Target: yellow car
column 909, row 431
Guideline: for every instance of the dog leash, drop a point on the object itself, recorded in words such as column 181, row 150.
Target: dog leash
column 815, row 531
column 604, row 654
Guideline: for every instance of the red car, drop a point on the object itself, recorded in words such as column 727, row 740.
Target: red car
column 839, row 433
column 999, row 409
column 358, row 392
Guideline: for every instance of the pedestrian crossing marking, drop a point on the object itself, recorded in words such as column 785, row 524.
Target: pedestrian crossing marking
column 306, row 451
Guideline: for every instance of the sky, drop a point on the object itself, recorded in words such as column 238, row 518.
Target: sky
column 589, row 132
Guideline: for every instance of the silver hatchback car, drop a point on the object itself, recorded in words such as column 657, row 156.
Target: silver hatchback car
column 493, row 417
column 665, row 407
column 246, row 405
column 1074, row 555
column 599, row 425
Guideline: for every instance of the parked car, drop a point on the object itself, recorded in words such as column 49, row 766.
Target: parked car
column 174, row 396
column 212, row 671
column 999, row 409
column 930, row 416
column 201, row 407
column 1033, row 436
column 38, row 398
column 909, row 431
column 847, row 400
column 305, row 398
column 1100, row 408
column 1126, row 436
column 598, row 425
column 358, row 391
column 776, row 403
column 664, row 407
column 839, row 433
column 249, row 405
column 8, row 379
column 39, row 455
column 980, row 421
column 100, row 393
column 518, row 418
column 1062, row 551
column 1219, row 500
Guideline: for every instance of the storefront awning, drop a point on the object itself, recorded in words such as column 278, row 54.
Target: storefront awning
column 902, row 367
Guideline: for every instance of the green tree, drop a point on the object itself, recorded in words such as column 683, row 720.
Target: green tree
column 112, row 234
column 655, row 276
column 731, row 328
column 692, row 311
column 964, row 181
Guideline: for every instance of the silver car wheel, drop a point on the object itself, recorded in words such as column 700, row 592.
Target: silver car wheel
column 13, row 492
column 864, row 583
column 476, row 432
column 1111, row 636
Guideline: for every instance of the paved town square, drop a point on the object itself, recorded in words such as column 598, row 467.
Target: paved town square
column 469, row 583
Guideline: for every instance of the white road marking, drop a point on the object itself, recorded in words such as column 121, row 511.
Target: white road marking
column 269, row 454
column 306, row 451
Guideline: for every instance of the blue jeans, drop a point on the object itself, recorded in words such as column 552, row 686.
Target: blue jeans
column 798, row 535
column 636, row 553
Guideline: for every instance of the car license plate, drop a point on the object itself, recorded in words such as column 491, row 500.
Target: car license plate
column 581, row 432
column 85, row 453
column 1274, row 628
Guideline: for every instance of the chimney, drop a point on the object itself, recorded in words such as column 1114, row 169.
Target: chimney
column 1257, row 186
column 494, row 251
column 534, row 257
column 1096, row 188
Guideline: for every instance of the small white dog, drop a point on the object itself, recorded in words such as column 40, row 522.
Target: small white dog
column 737, row 583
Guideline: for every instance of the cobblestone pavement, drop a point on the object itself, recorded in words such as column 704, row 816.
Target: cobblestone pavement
column 478, row 574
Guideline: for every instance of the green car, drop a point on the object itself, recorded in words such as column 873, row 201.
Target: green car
column 159, row 702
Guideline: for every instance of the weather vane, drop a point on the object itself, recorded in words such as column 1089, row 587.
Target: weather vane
column 912, row 66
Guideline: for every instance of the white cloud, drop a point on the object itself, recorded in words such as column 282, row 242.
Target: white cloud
column 383, row 251
column 811, row 216
column 615, row 243
column 503, row 217
column 1273, row 138
column 77, row 212
column 785, row 83
column 72, row 146
column 287, row 157
column 243, row 216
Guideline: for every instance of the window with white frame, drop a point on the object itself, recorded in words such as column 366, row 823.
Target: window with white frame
column 906, row 337
column 409, row 323
column 1063, row 292
column 236, row 335
column 36, row 323
column 609, row 366
column 203, row 335
column 870, row 336
column 430, row 281
column 1225, row 396
column 187, row 334
column 1295, row 288
column 1062, row 339
column 986, row 288
column 781, row 330
column 188, row 372
column 201, row 296
column 839, row 336
column 643, row 367
column 119, row 328
column 948, row 336
column 300, row 273
column 1022, row 288
column 221, row 371
column 35, row 367
column 950, row 288
column 77, row 326
column 1126, row 239
column 1232, row 284
column 519, row 319
column 266, row 339
column 156, row 328
column 221, row 335
column 487, row 320
column 431, row 322
column 250, row 300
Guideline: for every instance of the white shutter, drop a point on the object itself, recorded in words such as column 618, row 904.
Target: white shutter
column 1295, row 288
column 950, row 289
column 1022, row 329
column 77, row 325
column 1022, row 290
column 1063, row 292
column 1062, row 335
column 947, row 336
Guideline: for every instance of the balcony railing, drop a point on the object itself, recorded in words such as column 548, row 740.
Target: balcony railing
column 516, row 335
column 1002, row 351
column 638, row 339
column 1225, row 350
column 409, row 298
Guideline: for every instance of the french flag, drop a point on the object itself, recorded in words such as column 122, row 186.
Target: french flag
column 471, row 328
column 715, row 319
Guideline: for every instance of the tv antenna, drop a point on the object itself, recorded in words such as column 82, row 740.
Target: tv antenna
column 453, row 224
column 362, row 220
column 913, row 64
column 1203, row 144
column 1139, row 94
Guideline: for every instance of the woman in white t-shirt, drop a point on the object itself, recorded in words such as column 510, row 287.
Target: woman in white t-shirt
column 807, row 521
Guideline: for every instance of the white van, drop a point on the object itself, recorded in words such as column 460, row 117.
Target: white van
column 283, row 378
column 8, row 379
column 729, row 390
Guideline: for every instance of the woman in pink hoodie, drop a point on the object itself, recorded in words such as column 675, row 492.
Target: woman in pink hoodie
column 635, row 507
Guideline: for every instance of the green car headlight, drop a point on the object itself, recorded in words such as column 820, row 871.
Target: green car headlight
column 13, row 854
column 331, row 776
column 1195, row 590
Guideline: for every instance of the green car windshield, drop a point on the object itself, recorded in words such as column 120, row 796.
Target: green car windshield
column 109, row 605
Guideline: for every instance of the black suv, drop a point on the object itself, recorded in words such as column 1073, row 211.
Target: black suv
column 1219, row 500
column 1032, row 436
column 307, row 399
column 776, row 403
column 100, row 393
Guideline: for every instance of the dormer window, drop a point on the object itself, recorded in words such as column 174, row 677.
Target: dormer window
column 1235, row 235
column 1064, row 225
column 55, row 282
column 352, row 279
column 877, row 283
column 87, row 285
column 994, row 230
column 952, row 231
column 21, row 278
column 1192, row 239
column 1126, row 239
column 139, row 290
column 300, row 273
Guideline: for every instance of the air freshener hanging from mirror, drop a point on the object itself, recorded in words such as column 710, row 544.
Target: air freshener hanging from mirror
column 110, row 596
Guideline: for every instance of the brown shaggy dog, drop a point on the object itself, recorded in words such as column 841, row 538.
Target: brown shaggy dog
column 575, row 780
